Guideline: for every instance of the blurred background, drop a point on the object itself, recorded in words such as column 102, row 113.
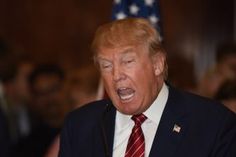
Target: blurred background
column 62, row 30
column 46, row 66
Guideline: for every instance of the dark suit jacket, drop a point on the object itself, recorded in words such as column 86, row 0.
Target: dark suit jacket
column 208, row 129
column 4, row 136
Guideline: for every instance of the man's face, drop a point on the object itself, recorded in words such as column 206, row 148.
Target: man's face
column 131, row 77
column 48, row 96
column 227, row 65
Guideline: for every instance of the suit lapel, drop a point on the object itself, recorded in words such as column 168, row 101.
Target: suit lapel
column 103, row 133
column 171, row 129
column 108, row 128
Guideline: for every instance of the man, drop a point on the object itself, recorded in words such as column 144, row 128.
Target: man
column 223, row 70
column 167, row 122
column 227, row 94
column 46, row 110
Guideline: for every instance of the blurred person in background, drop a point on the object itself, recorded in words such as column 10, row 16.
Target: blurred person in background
column 47, row 109
column 4, row 129
column 15, row 95
column 227, row 94
column 224, row 69
column 48, row 98
column 82, row 86
column 4, row 136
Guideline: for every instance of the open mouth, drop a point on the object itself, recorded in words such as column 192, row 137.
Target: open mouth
column 125, row 94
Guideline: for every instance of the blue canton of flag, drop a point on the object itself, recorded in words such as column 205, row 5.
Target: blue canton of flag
column 148, row 9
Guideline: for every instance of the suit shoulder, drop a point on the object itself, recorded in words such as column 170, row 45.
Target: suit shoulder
column 90, row 111
column 198, row 104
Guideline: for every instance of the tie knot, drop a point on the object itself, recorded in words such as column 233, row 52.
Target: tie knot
column 139, row 119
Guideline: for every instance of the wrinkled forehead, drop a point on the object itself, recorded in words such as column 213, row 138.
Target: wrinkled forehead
column 121, row 51
column 120, row 44
column 115, row 51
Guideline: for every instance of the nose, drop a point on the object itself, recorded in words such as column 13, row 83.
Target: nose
column 118, row 74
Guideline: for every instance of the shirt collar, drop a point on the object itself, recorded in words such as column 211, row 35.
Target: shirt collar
column 154, row 112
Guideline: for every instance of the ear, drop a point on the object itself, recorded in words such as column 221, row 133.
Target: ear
column 158, row 61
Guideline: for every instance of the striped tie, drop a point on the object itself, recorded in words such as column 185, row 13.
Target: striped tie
column 136, row 144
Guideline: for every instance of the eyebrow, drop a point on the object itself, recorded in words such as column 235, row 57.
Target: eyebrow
column 128, row 50
column 100, row 58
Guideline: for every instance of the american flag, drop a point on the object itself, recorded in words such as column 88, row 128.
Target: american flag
column 148, row 9
column 176, row 128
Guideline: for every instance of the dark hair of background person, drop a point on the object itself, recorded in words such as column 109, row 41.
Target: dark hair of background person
column 48, row 69
column 227, row 90
column 226, row 94
column 225, row 50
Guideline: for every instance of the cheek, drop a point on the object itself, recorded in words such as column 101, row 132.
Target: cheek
column 107, row 81
column 145, row 78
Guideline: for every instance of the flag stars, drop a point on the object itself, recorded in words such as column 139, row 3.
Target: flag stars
column 120, row 15
column 149, row 2
column 117, row 1
column 133, row 9
column 153, row 19
column 137, row 8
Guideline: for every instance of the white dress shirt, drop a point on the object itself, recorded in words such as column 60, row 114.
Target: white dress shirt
column 124, row 125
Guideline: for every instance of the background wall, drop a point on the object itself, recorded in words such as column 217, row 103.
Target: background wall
column 234, row 20
column 61, row 30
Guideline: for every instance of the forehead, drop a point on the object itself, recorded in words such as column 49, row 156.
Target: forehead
column 120, row 52
column 46, row 80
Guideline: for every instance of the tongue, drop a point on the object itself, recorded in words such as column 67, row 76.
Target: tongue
column 126, row 91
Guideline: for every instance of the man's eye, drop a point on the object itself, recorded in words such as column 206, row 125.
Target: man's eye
column 129, row 61
column 106, row 66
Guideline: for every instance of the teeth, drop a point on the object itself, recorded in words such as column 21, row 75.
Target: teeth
column 125, row 93
column 126, row 97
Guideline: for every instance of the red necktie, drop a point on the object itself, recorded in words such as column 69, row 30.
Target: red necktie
column 136, row 144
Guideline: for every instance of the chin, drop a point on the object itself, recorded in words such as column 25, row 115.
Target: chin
column 128, row 108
